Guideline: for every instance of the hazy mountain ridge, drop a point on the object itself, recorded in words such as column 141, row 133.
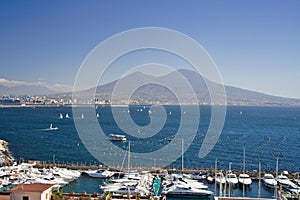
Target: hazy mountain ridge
column 156, row 93
column 160, row 94
column 25, row 90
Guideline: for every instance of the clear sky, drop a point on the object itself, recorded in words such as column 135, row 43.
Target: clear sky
column 255, row 44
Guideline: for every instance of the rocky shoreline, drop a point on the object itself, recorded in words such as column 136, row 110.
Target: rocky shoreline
column 5, row 156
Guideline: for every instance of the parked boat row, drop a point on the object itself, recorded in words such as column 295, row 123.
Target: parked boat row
column 244, row 179
column 145, row 184
column 129, row 185
column 27, row 173
column 280, row 181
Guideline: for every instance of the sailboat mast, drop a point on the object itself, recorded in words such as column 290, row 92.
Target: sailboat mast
column 276, row 167
column 259, row 178
column 182, row 156
column 244, row 160
column 244, row 169
column 128, row 157
column 216, row 165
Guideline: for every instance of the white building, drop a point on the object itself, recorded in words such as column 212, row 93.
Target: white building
column 31, row 192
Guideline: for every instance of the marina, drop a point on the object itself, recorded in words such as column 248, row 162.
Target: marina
column 160, row 183
column 238, row 173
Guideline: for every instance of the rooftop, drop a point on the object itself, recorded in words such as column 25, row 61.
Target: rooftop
column 32, row 187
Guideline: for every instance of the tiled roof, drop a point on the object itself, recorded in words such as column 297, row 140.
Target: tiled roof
column 37, row 187
column 4, row 197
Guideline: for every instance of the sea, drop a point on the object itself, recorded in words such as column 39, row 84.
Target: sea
column 266, row 134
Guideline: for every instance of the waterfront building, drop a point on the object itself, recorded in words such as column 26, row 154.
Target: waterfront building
column 31, row 192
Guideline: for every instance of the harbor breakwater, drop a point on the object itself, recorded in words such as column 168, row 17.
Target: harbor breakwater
column 7, row 159
column 255, row 175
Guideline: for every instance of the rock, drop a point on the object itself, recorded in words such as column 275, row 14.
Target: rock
column 5, row 156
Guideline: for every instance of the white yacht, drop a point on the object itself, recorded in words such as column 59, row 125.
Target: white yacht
column 199, row 176
column 186, row 191
column 283, row 181
column 50, row 179
column 269, row 181
column 116, row 137
column 100, row 173
column 123, row 190
column 231, row 179
column 115, row 186
column 244, row 179
column 176, row 180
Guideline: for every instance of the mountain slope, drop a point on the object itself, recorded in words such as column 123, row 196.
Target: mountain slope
column 155, row 93
column 25, row 89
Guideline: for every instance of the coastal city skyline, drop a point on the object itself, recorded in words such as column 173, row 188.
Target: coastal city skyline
column 254, row 44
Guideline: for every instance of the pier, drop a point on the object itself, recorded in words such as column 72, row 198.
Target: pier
column 254, row 174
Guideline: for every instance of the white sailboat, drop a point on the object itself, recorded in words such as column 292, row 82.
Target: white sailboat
column 67, row 116
column 52, row 128
column 61, row 116
column 244, row 179
column 220, row 178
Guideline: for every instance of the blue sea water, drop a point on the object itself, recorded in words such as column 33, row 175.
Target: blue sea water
column 266, row 133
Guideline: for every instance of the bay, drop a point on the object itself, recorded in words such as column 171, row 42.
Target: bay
column 266, row 133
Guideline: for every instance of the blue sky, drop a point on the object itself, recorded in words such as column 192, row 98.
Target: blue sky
column 255, row 44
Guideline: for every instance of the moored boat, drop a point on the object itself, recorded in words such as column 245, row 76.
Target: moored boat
column 283, row 181
column 231, row 179
column 244, row 179
column 269, row 181
column 186, row 191
column 199, row 176
column 219, row 178
column 100, row 173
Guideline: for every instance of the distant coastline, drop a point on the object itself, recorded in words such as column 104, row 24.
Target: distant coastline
column 123, row 105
